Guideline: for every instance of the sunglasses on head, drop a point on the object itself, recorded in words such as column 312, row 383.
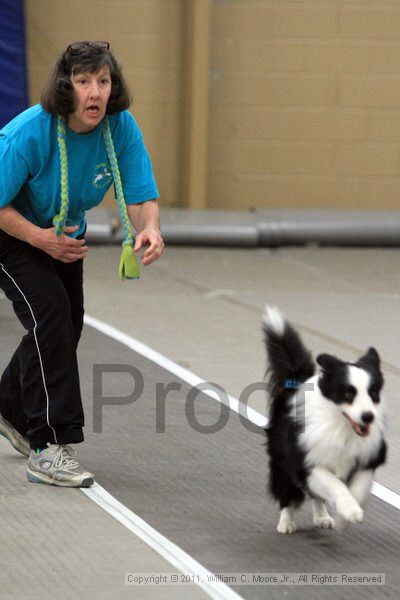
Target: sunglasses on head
column 77, row 47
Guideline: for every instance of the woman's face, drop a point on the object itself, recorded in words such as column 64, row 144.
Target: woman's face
column 92, row 91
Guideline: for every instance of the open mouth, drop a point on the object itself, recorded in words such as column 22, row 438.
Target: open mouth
column 93, row 110
column 361, row 430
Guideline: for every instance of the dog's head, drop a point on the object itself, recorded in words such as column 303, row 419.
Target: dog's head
column 354, row 387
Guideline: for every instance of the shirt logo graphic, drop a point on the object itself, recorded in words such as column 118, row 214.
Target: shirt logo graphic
column 102, row 175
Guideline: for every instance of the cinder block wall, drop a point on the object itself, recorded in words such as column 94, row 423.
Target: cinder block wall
column 146, row 36
column 304, row 95
column 305, row 104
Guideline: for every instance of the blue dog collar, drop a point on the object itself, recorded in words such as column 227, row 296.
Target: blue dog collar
column 292, row 384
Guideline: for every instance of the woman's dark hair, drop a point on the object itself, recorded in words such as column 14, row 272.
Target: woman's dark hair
column 58, row 95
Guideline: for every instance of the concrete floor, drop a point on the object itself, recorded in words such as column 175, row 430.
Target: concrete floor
column 201, row 308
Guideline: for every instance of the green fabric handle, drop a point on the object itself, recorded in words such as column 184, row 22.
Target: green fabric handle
column 128, row 264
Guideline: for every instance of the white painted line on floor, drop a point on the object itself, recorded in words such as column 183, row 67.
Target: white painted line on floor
column 385, row 494
column 252, row 415
column 172, row 553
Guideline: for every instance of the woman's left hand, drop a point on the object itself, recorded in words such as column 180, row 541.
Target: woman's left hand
column 150, row 237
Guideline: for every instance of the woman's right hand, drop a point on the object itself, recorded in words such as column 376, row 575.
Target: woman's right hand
column 63, row 247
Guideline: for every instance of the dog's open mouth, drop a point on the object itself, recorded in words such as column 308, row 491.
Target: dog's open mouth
column 360, row 429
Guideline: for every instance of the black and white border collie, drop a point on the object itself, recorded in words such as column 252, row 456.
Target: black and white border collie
column 325, row 433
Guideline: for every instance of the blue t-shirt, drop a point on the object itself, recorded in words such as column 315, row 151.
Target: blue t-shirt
column 30, row 166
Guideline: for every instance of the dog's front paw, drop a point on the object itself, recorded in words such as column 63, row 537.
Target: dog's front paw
column 351, row 511
column 325, row 522
column 355, row 515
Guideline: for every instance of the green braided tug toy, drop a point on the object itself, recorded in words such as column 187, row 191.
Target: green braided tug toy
column 128, row 264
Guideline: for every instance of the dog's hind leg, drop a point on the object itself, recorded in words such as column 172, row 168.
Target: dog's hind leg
column 321, row 517
column 325, row 485
column 286, row 521
column 289, row 496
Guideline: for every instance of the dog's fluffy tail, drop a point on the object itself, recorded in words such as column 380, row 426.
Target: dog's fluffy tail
column 289, row 362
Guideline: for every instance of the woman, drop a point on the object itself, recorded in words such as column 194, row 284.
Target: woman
column 57, row 160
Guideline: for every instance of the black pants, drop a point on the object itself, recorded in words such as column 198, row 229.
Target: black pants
column 39, row 390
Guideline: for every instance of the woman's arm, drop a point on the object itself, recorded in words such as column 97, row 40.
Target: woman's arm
column 63, row 247
column 145, row 218
column 13, row 223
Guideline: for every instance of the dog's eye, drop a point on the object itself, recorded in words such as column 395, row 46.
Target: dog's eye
column 374, row 396
column 348, row 396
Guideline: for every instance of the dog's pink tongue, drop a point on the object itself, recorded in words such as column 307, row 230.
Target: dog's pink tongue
column 361, row 429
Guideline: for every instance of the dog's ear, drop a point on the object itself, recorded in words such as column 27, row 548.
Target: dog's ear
column 371, row 357
column 328, row 362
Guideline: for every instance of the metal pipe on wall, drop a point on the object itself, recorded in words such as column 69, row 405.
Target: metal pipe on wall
column 262, row 227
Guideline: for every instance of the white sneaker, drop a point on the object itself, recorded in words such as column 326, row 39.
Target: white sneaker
column 57, row 465
column 18, row 441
